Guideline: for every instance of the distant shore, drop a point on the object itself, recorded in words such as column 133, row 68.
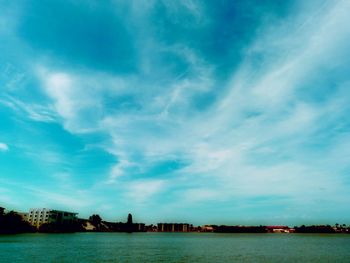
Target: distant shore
column 12, row 222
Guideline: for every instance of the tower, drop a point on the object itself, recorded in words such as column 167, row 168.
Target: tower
column 129, row 219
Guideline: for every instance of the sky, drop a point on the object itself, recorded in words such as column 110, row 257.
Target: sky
column 206, row 112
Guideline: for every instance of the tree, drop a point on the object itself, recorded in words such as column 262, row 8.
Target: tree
column 96, row 220
column 12, row 223
column 1, row 215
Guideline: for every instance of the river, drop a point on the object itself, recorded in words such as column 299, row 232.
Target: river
column 174, row 247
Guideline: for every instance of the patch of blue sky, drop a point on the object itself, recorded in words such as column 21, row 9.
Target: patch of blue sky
column 165, row 168
column 84, row 35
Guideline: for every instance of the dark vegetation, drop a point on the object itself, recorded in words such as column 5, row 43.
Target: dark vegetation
column 240, row 229
column 104, row 226
column 316, row 229
column 13, row 223
column 64, row 227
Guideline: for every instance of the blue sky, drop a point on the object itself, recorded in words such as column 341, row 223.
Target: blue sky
column 230, row 112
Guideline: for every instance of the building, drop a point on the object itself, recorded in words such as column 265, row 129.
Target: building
column 277, row 229
column 207, row 228
column 173, row 227
column 139, row 227
column 37, row 217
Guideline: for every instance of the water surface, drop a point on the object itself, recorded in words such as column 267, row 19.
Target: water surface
column 174, row 247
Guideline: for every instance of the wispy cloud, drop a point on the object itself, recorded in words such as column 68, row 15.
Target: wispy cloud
column 200, row 109
column 34, row 112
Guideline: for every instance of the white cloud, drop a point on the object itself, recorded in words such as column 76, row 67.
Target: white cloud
column 118, row 170
column 142, row 191
column 60, row 87
column 3, row 147
column 79, row 97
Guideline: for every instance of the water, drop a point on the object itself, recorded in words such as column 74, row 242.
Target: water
column 174, row 247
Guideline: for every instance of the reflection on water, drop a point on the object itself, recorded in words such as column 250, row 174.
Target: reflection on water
column 175, row 247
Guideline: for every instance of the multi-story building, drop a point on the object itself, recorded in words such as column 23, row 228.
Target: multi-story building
column 37, row 217
column 173, row 227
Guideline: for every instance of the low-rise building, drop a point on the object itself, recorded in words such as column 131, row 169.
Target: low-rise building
column 277, row 229
column 37, row 217
column 139, row 227
column 173, row 227
column 207, row 228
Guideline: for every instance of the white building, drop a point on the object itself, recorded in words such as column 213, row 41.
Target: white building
column 37, row 217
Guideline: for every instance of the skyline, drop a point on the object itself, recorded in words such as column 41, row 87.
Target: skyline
column 226, row 112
